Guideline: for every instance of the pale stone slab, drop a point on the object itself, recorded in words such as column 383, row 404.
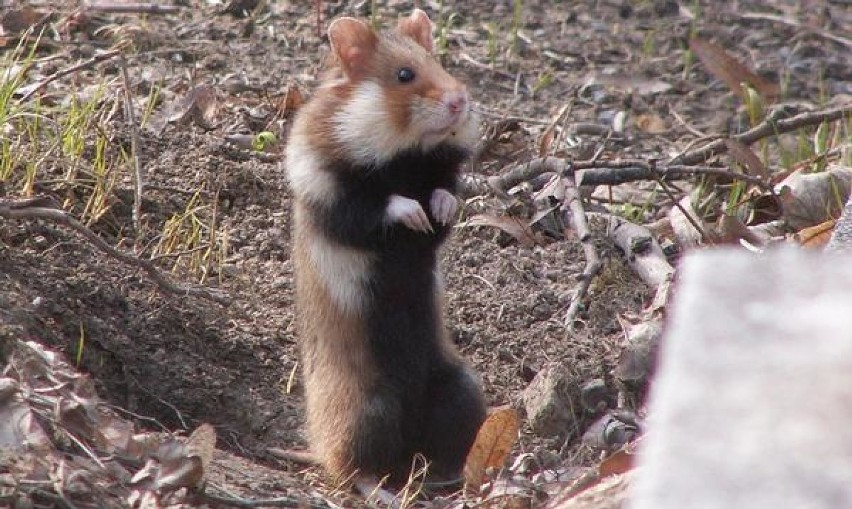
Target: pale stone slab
column 841, row 238
column 753, row 398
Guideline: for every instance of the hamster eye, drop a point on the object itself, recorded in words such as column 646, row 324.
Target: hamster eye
column 405, row 75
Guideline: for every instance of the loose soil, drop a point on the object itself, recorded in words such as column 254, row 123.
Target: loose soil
column 172, row 362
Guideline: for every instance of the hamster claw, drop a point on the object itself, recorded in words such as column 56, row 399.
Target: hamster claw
column 444, row 206
column 408, row 212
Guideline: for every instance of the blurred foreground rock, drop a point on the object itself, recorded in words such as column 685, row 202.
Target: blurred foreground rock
column 750, row 405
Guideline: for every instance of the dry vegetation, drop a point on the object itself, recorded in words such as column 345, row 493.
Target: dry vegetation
column 144, row 225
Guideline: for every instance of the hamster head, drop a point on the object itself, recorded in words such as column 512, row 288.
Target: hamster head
column 396, row 96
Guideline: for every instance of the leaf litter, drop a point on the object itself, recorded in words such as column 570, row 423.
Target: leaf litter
column 208, row 89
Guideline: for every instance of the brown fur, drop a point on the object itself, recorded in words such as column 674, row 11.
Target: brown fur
column 339, row 362
column 337, row 367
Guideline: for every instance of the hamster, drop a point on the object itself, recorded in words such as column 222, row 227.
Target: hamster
column 372, row 161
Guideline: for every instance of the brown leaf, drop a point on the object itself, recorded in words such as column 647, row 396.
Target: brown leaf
column 545, row 143
column 725, row 67
column 519, row 230
column 809, row 199
column 731, row 229
column 199, row 105
column 629, row 83
column 683, row 228
column 493, row 443
column 747, row 158
column 816, row 236
column 18, row 20
column 202, row 444
column 177, row 469
column 618, row 462
column 651, row 123
column 292, row 101
column 21, row 430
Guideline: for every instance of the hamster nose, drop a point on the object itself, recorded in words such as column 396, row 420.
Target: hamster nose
column 456, row 101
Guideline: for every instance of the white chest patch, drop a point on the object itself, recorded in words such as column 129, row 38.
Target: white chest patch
column 306, row 176
column 362, row 126
column 345, row 273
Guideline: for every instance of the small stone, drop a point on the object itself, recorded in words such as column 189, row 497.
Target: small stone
column 550, row 401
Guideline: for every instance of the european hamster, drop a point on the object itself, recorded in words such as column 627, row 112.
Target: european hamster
column 372, row 161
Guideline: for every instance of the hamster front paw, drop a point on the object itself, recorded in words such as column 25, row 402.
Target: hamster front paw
column 444, row 206
column 409, row 212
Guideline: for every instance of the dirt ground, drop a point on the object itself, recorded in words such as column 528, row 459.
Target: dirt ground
column 174, row 362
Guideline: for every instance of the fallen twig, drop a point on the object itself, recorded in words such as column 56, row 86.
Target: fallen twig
column 759, row 16
column 574, row 203
column 234, row 501
column 131, row 8
column 620, row 172
column 646, row 258
column 249, row 503
column 70, row 70
column 769, row 127
column 138, row 178
column 16, row 210
column 596, row 173
column 675, row 202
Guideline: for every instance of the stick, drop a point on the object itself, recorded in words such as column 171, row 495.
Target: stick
column 592, row 172
column 69, row 70
column 643, row 252
column 769, row 127
column 12, row 210
column 574, row 203
column 138, row 8
column 784, row 21
column 610, row 173
column 138, row 180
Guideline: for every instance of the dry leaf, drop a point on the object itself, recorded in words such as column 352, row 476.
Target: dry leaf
column 518, row 229
column 725, row 67
column 199, row 105
column 619, row 462
column 747, row 158
column 21, row 431
column 546, row 141
column 809, row 199
column 629, row 83
column 202, row 444
column 651, row 123
column 494, row 441
column 19, row 20
column 292, row 101
column 732, row 230
column 177, row 469
column 684, row 229
column 816, row 236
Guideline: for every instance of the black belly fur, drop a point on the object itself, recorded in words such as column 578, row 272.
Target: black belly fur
column 402, row 318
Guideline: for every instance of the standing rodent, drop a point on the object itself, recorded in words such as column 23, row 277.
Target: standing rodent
column 373, row 159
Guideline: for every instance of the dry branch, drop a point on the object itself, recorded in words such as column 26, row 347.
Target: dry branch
column 31, row 209
column 597, row 172
column 769, row 127
column 218, row 500
column 70, row 70
column 138, row 180
column 574, row 203
column 645, row 257
column 620, row 172
column 760, row 16
column 610, row 173
column 131, row 8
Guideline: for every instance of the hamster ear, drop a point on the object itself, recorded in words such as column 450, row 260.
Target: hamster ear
column 418, row 27
column 353, row 42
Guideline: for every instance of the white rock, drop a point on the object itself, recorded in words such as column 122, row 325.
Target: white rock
column 752, row 401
